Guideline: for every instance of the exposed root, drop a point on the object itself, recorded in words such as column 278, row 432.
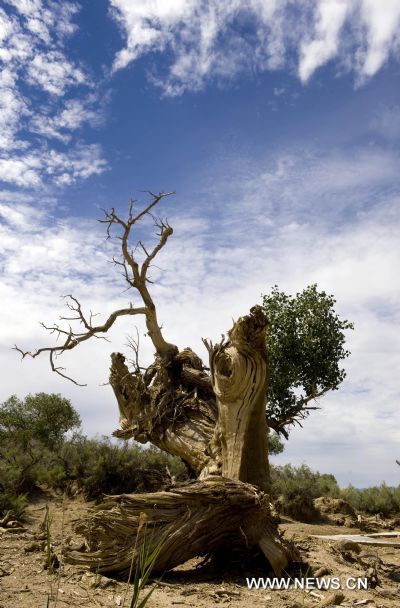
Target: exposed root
column 188, row 521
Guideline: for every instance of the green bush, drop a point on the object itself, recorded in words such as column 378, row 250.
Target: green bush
column 97, row 466
column 382, row 499
column 44, row 418
column 295, row 488
column 34, row 451
column 10, row 501
column 32, row 432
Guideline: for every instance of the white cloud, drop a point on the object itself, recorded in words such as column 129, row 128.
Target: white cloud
column 20, row 171
column 19, row 215
column 35, row 168
column 67, row 119
column 81, row 163
column 53, row 73
column 209, row 41
column 386, row 122
column 381, row 19
column 34, row 58
column 13, row 107
column 331, row 15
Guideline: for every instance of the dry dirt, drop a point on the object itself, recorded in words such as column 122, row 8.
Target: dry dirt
column 26, row 583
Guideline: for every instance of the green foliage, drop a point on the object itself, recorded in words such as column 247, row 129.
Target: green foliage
column 145, row 564
column 305, row 344
column 31, row 433
column 18, row 468
column 44, row 418
column 35, row 451
column 382, row 499
column 275, row 445
column 295, row 488
column 11, row 501
column 99, row 467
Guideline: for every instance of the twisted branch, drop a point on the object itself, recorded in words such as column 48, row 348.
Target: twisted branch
column 134, row 275
column 297, row 413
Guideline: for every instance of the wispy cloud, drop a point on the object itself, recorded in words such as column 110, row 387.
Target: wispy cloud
column 219, row 39
column 72, row 115
column 53, row 73
column 45, row 97
column 386, row 122
column 34, row 168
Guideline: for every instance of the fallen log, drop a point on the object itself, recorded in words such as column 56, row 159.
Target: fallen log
column 190, row 520
column 361, row 539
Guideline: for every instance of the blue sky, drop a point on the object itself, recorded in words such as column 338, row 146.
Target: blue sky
column 276, row 123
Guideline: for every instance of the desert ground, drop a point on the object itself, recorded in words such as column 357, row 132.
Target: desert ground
column 27, row 582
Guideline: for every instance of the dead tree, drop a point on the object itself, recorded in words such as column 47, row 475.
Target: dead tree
column 213, row 418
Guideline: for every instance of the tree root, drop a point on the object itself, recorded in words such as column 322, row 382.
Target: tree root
column 191, row 520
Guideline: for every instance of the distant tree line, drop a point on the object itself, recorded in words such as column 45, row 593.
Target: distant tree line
column 42, row 447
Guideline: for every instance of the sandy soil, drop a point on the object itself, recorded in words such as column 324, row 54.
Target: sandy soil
column 25, row 582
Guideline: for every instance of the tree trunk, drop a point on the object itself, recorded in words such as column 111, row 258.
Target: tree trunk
column 239, row 379
column 216, row 423
column 191, row 520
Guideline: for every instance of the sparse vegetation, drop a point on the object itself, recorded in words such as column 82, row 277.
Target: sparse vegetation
column 35, row 451
column 383, row 499
column 32, row 432
column 295, row 488
column 31, row 456
column 97, row 466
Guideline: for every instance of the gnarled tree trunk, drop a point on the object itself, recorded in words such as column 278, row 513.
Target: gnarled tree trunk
column 217, row 425
column 215, row 422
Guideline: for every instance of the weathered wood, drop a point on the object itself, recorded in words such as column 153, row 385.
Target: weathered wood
column 358, row 538
column 394, row 534
column 239, row 378
column 174, row 413
column 189, row 520
column 217, row 425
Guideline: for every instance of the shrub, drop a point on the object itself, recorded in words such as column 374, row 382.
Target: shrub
column 295, row 488
column 31, row 434
column 44, row 418
column 10, row 501
column 382, row 499
column 98, row 467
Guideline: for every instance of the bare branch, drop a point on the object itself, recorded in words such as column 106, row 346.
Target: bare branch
column 134, row 343
column 165, row 232
column 298, row 413
column 156, row 200
column 133, row 275
column 73, row 339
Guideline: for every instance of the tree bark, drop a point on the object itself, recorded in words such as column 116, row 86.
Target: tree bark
column 191, row 520
column 239, row 378
column 216, row 423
